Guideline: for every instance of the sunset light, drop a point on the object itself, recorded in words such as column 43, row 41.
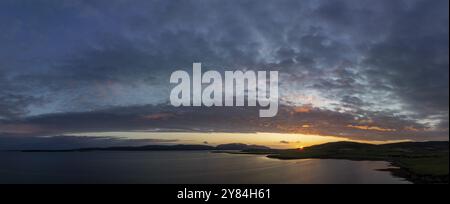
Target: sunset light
column 194, row 92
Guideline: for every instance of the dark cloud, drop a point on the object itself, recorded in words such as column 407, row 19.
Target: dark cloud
column 12, row 105
column 360, row 125
column 412, row 61
column 363, row 66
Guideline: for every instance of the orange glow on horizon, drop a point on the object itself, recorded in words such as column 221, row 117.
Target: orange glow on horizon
column 303, row 109
column 273, row 140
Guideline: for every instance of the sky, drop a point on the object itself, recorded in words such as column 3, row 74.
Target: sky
column 352, row 69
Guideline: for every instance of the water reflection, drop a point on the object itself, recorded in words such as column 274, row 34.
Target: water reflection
column 183, row 167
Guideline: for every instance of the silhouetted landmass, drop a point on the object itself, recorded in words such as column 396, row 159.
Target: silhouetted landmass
column 418, row 162
column 181, row 147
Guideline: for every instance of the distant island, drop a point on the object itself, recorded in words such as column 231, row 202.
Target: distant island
column 179, row 147
column 418, row 162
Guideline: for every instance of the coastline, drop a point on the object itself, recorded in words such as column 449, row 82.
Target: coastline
column 417, row 162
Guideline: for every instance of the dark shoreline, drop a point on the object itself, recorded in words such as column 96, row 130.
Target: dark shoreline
column 396, row 170
column 403, row 172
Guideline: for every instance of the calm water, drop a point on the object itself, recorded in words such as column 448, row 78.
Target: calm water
column 182, row 167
